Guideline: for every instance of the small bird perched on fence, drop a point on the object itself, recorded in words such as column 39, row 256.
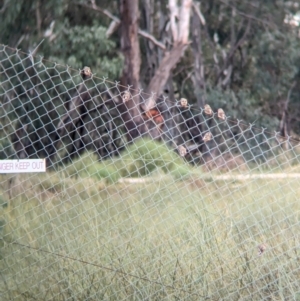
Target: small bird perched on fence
column 221, row 114
column 86, row 73
column 208, row 110
column 207, row 137
column 183, row 102
column 182, row 150
column 126, row 96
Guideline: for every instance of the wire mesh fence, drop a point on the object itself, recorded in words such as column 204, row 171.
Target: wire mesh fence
column 175, row 203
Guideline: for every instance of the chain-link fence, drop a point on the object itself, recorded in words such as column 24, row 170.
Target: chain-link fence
column 173, row 203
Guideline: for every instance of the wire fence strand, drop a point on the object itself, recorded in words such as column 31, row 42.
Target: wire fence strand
column 173, row 203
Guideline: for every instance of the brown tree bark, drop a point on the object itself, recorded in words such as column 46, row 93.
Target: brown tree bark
column 131, row 70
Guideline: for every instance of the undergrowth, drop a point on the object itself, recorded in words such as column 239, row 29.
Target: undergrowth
column 143, row 158
column 80, row 234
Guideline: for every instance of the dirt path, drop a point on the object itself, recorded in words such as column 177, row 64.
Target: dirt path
column 258, row 176
column 226, row 177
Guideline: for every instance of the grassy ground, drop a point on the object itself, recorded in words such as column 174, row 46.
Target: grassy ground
column 79, row 234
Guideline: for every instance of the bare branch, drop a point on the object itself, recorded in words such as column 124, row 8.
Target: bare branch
column 228, row 76
column 3, row 8
column 100, row 10
column 151, row 38
column 234, row 49
column 240, row 42
column 285, row 120
column 244, row 14
column 113, row 26
column 117, row 22
column 198, row 13
column 286, row 103
column 38, row 18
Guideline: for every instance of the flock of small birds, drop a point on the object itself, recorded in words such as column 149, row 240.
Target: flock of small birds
column 183, row 102
column 86, row 72
column 182, row 151
column 208, row 111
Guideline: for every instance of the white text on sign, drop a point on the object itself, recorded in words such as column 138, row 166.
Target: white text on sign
column 22, row 165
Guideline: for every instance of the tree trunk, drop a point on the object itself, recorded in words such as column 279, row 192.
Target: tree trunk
column 130, row 76
column 180, row 34
column 161, row 76
column 198, row 77
column 147, row 12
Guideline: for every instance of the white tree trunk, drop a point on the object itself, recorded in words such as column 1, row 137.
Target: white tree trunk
column 180, row 33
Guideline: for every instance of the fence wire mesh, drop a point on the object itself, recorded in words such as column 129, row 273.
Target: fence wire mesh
column 176, row 203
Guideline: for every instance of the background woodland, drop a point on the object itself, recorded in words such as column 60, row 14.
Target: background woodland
column 242, row 56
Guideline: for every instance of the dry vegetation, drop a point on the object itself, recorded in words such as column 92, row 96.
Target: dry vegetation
column 79, row 234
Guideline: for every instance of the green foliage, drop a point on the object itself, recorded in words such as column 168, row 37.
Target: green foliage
column 6, row 129
column 80, row 46
column 142, row 158
column 274, row 76
column 6, row 150
column 241, row 105
column 264, row 66
column 276, row 64
column 88, row 166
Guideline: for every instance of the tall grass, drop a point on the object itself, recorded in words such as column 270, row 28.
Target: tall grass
column 75, row 234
